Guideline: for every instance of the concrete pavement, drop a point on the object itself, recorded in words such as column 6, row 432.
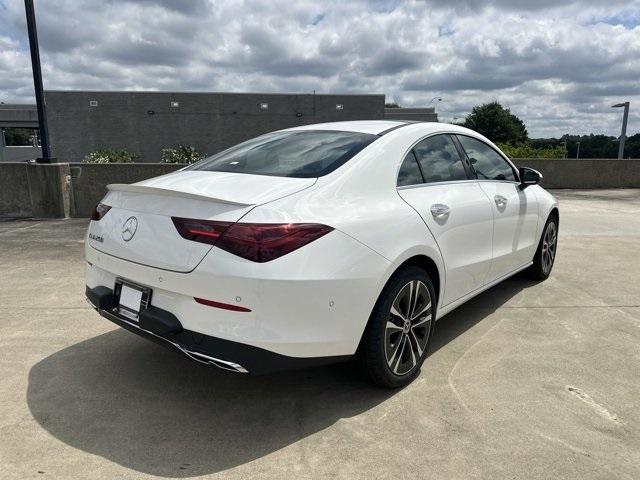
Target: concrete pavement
column 525, row 381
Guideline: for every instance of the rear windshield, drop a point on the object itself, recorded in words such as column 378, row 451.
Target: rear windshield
column 302, row 154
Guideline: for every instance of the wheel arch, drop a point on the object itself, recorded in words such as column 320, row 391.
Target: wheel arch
column 553, row 212
column 427, row 264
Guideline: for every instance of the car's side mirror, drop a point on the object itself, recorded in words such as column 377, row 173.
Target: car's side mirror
column 529, row 176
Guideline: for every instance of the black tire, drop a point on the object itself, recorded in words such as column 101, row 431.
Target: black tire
column 383, row 353
column 545, row 255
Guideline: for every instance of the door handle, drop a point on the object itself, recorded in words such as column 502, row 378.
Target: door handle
column 439, row 210
column 500, row 200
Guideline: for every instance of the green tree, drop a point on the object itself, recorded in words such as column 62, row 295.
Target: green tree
column 496, row 123
column 632, row 146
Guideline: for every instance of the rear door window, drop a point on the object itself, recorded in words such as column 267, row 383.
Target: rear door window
column 439, row 159
column 409, row 173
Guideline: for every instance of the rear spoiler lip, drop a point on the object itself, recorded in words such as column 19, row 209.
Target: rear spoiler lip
column 123, row 187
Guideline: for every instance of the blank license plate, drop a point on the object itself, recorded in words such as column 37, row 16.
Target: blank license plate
column 131, row 299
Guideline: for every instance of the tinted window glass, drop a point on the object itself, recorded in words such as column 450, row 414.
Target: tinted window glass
column 439, row 159
column 304, row 154
column 409, row 173
column 487, row 163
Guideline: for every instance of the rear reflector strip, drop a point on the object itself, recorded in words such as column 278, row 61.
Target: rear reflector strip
column 224, row 306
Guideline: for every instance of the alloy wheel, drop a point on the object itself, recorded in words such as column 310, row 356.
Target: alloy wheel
column 408, row 327
column 549, row 243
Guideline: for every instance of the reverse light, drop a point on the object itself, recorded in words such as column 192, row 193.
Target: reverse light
column 99, row 211
column 258, row 242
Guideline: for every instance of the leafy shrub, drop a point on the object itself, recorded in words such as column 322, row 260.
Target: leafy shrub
column 525, row 150
column 181, row 154
column 107, row 155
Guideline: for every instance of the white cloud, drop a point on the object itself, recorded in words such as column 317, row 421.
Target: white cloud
column 558, row 65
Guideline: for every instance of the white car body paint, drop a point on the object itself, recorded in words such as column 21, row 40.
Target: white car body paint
column 316, row 301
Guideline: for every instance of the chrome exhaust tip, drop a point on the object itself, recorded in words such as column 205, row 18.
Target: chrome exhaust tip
column 196, row 356
column 202, row 358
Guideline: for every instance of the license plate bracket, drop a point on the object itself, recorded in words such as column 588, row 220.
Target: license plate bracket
column 130, row 298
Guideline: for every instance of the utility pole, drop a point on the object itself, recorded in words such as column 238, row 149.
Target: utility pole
column 623, row 135
column 577, row 150
column 37, row 82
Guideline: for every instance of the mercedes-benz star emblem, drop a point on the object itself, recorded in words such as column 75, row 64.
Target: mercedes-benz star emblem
column 129, row 228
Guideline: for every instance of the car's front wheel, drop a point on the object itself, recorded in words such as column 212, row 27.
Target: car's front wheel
column 396, row 340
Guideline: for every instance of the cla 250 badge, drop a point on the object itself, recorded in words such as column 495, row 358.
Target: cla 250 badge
column 97, row 238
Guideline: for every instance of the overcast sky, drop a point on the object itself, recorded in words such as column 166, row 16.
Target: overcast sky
column 559, row 65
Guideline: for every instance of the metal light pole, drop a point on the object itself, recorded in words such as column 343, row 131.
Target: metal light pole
column 623, row 135
column 37, row 81
column 577, row 150
column 439, row 99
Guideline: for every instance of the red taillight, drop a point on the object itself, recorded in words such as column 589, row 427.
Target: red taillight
column 203, row 231
column 99, row 211
column 258, row 242
column 261, row 242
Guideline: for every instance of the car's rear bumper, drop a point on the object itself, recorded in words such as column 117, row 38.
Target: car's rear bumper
column 313, row 302
column 164, row 328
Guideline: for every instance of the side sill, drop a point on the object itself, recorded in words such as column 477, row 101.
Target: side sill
column 456, row 303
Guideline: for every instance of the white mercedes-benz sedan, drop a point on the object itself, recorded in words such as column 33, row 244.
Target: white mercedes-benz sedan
column 318, row 244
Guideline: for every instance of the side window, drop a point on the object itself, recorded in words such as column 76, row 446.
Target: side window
column 439, row 159
column 487, row 163
column 409, row 173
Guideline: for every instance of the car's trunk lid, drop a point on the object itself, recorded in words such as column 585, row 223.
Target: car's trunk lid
column 139, row 228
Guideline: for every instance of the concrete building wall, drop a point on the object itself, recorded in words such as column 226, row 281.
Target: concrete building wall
column 18, row 116
column 146, row 122
column 427, row 114
column 15, row 200
column 19, row 154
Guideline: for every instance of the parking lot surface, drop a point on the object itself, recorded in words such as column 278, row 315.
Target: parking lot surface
column 525, row 381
